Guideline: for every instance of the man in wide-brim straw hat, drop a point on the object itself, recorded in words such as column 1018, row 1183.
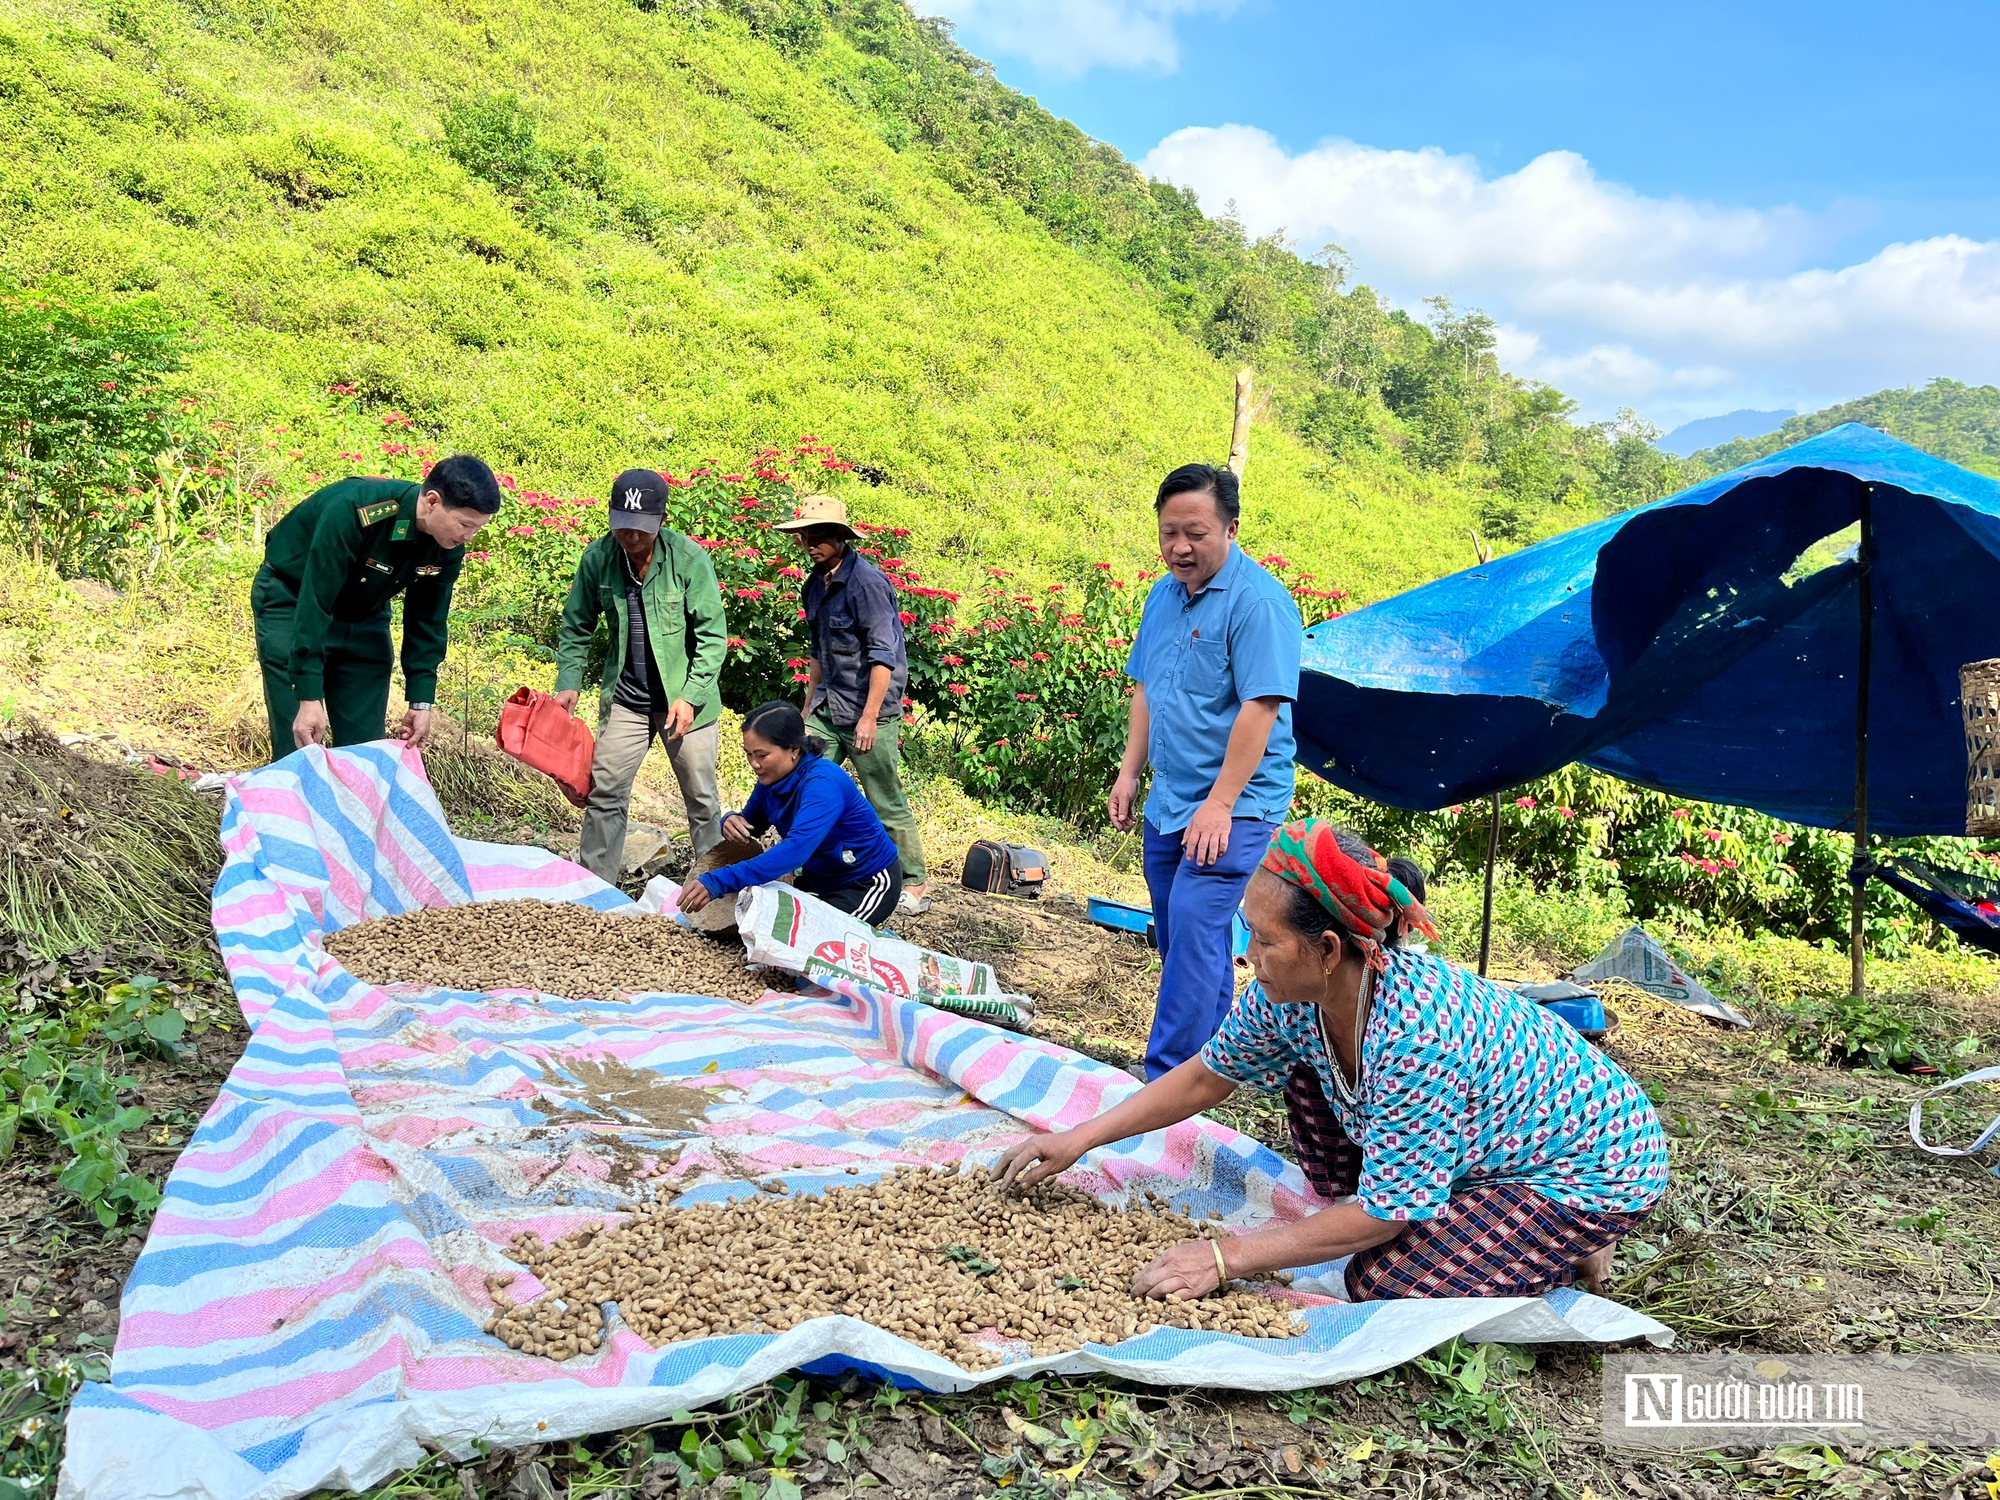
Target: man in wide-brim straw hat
column 860, row 668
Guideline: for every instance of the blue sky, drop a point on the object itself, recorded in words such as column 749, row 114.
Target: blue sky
column 1681, row 209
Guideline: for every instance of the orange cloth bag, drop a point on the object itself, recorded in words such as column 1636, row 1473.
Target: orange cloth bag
column 537, row 731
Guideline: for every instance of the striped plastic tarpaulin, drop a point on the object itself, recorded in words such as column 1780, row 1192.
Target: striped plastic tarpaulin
column 308, row 1309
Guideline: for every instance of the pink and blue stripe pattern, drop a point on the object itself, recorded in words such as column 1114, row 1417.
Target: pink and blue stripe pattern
column 308, row 1308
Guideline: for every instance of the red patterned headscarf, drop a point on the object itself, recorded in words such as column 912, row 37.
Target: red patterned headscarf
column 1364, row 898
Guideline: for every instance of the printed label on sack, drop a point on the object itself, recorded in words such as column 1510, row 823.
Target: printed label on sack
column 787, row 929
column 849, row 958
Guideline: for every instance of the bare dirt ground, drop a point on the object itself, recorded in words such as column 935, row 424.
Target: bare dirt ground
column 1800, row 1219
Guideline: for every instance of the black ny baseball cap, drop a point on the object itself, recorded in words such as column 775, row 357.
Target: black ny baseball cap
column 638, row 501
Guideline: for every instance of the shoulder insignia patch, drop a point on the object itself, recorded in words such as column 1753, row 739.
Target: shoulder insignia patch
column 429, row 570
column 378, row 512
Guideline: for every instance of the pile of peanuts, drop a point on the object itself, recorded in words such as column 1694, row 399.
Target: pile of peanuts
column 552, row 946
column 936, row 1256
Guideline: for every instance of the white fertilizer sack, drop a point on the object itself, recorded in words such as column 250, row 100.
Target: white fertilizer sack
column 788, row 929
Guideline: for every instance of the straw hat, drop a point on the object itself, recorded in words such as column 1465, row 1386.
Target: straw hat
column 819, row 510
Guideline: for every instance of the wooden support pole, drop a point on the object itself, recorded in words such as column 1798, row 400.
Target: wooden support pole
column 1857, row 940
column 1486, row 907
column 1239, row 437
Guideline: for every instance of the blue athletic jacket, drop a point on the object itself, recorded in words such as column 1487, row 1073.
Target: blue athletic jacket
column 831, row 835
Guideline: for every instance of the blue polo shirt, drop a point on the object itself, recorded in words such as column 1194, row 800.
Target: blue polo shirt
column 1200, row 660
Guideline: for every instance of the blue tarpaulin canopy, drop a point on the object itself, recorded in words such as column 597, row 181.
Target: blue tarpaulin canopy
column 1706, row 645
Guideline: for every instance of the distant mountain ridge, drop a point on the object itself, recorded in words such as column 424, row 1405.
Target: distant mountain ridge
column 1690, row 438
column 1948, row 418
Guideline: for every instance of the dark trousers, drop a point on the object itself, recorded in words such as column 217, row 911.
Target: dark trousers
column 880, row 772
column 360, row 659
column 1494, row 1239
column 1193, row 906
column 872, row 900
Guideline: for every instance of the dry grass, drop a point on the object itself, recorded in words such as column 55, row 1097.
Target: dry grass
column 94, row 855
column 1655, row 1038
column 484, row 791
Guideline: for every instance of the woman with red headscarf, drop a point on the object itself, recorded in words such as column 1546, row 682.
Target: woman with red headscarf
column 1471, row 1144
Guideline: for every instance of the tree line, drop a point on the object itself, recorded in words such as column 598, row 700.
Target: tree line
column 1355, row 377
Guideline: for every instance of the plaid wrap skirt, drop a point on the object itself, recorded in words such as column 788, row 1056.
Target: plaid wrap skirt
column 1498, row 1239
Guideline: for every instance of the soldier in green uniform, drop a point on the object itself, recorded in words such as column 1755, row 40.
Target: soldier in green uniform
column 321, row 601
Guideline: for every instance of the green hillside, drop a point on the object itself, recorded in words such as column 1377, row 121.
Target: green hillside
column 1954, row 421
column 680, row 245
column 571, row 237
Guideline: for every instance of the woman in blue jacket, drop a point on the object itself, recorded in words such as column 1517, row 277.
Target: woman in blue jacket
column 831, row 836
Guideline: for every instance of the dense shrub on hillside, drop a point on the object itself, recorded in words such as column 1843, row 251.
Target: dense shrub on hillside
column 92, row 426
column 1697, row 865
column 1027, row 681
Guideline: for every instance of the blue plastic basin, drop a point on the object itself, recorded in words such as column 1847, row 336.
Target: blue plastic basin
column 1584, row 1015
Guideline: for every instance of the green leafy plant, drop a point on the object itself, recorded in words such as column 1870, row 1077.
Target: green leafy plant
column 1926, row 1223
column 1855, row 1031
column 971, row 1259
column 32, row 1402
column 1303, row 1408
column 87, row 407
column 60, row 1078
column 765, row 1432
column 1028, row 1395
column 1468, row 1381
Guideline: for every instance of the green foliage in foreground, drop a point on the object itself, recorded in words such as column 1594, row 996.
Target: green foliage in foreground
column 33, row 1403
column 60, row 1075
column 1859, row 1031
column 1959, row 423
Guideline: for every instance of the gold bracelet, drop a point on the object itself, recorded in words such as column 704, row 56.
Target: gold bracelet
column 1221, row 1266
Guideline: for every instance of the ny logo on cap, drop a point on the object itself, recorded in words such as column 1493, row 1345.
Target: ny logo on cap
column 633, row 499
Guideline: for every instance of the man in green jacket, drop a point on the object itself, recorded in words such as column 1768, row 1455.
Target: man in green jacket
column 657, row 591
column 321, row 601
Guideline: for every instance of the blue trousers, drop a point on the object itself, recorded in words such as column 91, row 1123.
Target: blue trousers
column 1192, row 909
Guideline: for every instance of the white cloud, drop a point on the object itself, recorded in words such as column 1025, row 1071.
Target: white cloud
column 1677, row 307
column 1070, row 37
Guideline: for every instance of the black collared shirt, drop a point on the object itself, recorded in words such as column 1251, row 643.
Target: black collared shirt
column 639, row 686
column 856, row 624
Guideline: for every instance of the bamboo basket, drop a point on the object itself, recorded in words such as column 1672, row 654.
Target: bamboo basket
column 1979, row 699
column 719, row 916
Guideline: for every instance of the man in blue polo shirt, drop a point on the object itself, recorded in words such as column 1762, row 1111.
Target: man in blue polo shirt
column 1217, row 666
